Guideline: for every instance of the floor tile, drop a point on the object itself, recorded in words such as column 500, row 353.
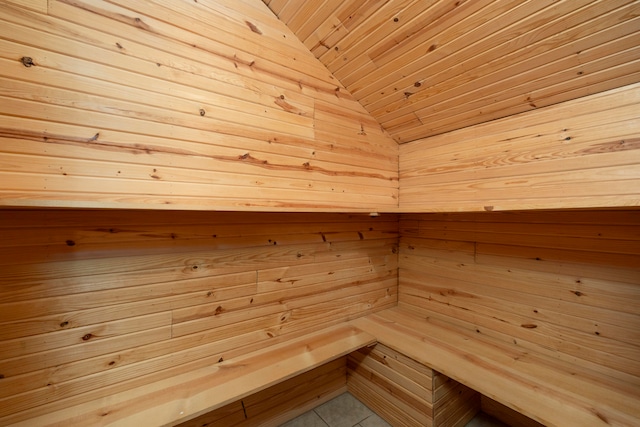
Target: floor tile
column 374, row 421
column 308, row 419
column 484, row 420
column 343, row 411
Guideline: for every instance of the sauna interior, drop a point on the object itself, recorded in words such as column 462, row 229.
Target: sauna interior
column 228, row 212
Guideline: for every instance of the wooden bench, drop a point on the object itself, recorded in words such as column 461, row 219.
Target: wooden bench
column 186, row 396
column 545, row 389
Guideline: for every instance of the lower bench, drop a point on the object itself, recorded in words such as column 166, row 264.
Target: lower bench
column 547, row 390
column 186, row 396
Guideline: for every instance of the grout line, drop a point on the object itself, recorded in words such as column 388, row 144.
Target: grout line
column 320, row 416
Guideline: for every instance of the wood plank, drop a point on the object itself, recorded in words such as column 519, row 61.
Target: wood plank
column 37, row 5
column 596, row 25
column 383, row 403
column 506, row 414
column 281, row 402
column 368, row 360
column 197, row 392
column 22, row 346
column 231, row 414
column 119, row 87
column 499, row 375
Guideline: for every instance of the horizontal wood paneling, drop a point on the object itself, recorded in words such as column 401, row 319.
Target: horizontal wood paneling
column 426, row 68
column 133, row 104
column 97, row 302
column 282, row 402
column 521, row 277
column 579, row 154
column 407, row 393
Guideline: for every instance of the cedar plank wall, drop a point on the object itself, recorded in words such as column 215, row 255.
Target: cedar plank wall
column 564, row 283
column 178, row 105
column 96, row 302
column 578, row 154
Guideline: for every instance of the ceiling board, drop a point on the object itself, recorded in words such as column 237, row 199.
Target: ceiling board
column 425, row 67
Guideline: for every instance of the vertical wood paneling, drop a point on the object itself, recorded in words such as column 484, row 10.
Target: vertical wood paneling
column 582, row 153
column 561, row 283
column 97, row 302
column 179, row 105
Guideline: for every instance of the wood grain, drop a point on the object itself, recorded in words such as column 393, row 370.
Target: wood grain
column 97, row 302
column 579, row 154
column 405, row 392
column 139, row 104
column 560, row 286
column 428, row 68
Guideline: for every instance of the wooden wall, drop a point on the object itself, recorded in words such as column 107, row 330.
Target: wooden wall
column 564, row 283
column 96, row 302
column 178, row 105
column 578, row 154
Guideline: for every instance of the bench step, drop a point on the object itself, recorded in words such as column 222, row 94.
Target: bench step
column 183, row 397
column 545, row 389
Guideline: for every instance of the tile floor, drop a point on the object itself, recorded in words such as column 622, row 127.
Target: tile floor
column 346, row 411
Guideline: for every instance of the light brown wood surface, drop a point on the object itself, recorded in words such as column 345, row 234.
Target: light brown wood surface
column 195, row 392
column 426, row 68
column 140, row 104
column 282, row 402
column 556, row 292
column 405, row 392
column 96, row 303
column 553, row 393
column 578, row 154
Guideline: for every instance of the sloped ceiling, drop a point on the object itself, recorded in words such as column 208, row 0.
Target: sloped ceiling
column 424, row 67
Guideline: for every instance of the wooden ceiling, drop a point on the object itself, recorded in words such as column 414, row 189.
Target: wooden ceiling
column 424, row 67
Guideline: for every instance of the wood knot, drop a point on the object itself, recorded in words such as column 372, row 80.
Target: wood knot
column 27, row 61
column 70, row 243
column 63, row 324
column 529, row 325
column 253, row 27
column 202, row 112
column 87, row 337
